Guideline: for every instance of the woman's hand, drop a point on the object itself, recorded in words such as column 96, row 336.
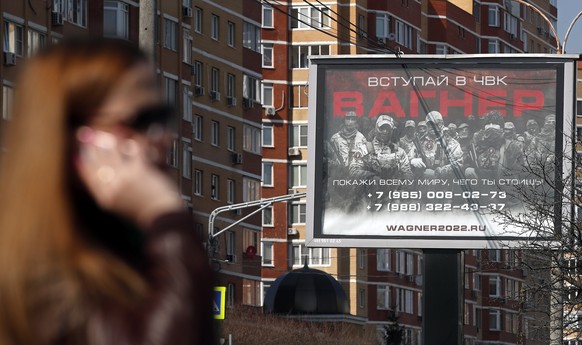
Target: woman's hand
column 121, row 178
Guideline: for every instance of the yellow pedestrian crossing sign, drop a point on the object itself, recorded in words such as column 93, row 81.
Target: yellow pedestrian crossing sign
column 219, row 302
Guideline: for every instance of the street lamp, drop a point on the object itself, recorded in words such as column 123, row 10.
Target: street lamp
column 568, row 31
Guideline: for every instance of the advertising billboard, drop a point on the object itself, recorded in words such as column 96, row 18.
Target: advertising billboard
column 425, row 151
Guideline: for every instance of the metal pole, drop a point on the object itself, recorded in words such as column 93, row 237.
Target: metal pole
column 443, row 298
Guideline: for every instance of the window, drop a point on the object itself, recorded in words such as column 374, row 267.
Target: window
column 404, row 34
column 494, row 320
column 494, row 16
column 267, row 16
column 361, row 25
column 267, row 174
column 198, row 182
column 251, row 189
column 198, row 20
column 36, row 40
column 268, row 135
column 494, row 255
column 215, row 80
column 187, row 41
column 310, row 17
column 384, row 260
column 494, row 286
column 230, row 295
column 230, row 34
column 267, row 94
column 170, row 34
column 116, row 19
column 214, row 181
column 441, row 49
column 299, row 136
column 230, row 138
column 171, row 89
column 187, row 103
column 404, row 300
column 383, row 296
column 299, row 175
column 251, row 88
column 299, row 96
column 186, row 160
column 299, row 54
column 74, row 11
column 251, row 292
column 298, row 213
column 510, row 24
column 214, row 133
column 319, row 256
column 13, row 38
column 382, row 25
column 267, row 253
column 315, row 256
column 362, row 258
column 230, row 244
column 494, row 46
column 268, row 216
column 197, row 128
column 198, row 74
column 230, row 191
column 230, row 84
column 268, row 55
column 172, row 157
column 252, row 139
column 214, row 27
column 362, row 298
column 7, row 100
column 404, row 263
column 252, row 37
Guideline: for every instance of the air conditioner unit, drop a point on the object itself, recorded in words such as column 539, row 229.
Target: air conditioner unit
column 231, row 101
column 215, row 95
column 57, row 19
column 293, row 151
column 292, row 231
column 270, row 111
column 237, row 158
column 198, row 90
column 9, row 59
column 187, row 11
column 231, row 258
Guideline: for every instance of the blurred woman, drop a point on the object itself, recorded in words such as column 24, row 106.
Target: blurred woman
column 95, row 247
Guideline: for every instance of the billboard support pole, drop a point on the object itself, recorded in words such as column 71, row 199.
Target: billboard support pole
column 442, row 291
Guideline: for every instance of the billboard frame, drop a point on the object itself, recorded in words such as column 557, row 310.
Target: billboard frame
column 565, row 66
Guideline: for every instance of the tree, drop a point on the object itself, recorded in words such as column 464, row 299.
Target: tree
column 552, row 253
column 394, row 332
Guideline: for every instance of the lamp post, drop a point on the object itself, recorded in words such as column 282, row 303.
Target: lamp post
column 568, row 31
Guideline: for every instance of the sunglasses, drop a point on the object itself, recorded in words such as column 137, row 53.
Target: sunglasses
column 161, row 115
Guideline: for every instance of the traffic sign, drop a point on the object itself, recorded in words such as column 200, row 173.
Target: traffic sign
column 219, row 302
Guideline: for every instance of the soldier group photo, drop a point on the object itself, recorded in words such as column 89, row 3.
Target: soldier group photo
column 388, row 148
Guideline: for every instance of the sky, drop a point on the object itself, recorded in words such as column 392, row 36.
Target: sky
column 567, row 11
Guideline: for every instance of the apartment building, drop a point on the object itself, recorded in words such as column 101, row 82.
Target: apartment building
column 207, row 55
column 384, row 282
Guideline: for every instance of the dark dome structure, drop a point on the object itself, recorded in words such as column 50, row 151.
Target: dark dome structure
column 306, row 291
